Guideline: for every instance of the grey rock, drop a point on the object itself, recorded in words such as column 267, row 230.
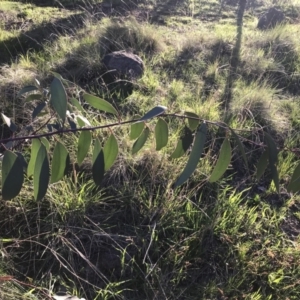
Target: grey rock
column 123, row 63
column 270, row 19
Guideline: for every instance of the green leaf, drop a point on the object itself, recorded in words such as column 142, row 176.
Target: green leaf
column 183, row 144
column 294, row 185
column 58, row 98
column 110, row 151
column 77, row 104
column 161, row 134
column 136, row 129
column 11, row 125
column 154, row 112
column 262, row 164
column 38, row 109
column 194, row 156
column 275, row 177
column 45, row 143
column 84, row 143
column 41, row 174
column 100, row 104
column 27, row 89
column 59, row 162
column 33, row 97
column 140, row 142
column 82, row 121
column 193, row 124
column 35, row 146
column 223, row 161
column 98, row 163
column 240, row 146
column 273, row 152
column 12, row 175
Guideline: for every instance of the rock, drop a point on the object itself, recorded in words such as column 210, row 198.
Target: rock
column 124, row 64
column 270, row 19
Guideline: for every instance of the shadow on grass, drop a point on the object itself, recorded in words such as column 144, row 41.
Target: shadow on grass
column 235, row 57
column 35, row 38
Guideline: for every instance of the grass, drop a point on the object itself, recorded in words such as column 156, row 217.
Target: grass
column 135, row 237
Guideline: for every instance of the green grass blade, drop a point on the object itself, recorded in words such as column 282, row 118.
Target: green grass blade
column 110, row 151
column 12, row 175
column 140, row 142
column 194, row 156
column 223, row 161
column 59, row 162
column 100, row 104
column 84, row 143
column 161, row 134
column 41, row 174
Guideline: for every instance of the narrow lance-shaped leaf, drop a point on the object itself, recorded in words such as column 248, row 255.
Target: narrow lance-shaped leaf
column 41, row 174
column 11, row 125
column 98, row 163
column 262, row 164
column 240, row 146
column 35, row 146
column 12, row 175
column 140, row 142
column 110, row 151
column 100, row 104
column 273, row 158
column 136, row 129
column 183, row 144
column 161, row 134
column 38, row 109
column 154, row 112
column 58, row 98
column 193, row 123
column 194, row 156
column 59, row 162
column 222, row 162
column 294, row 185
column 33, row 97
column 82, row 121
column 84, row 143
column 77, row 104
column 45, row 142
column 27, row 89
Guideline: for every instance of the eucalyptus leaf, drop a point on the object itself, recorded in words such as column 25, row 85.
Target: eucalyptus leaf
column 140, row 142
column 183, row 144
column 110, row 151
column 12, row 175
column 154, row 112
column 35, row 146
column 193, row 123
column 84, row 143
column 38, row 109
column 98, row 166
column 195, row 155
column 100, row 104
column 41, row 174
column 58, row 98
column 222, row 162
column 59, row 162
column 27, row 89
column 294, row 185
column 161, row 134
